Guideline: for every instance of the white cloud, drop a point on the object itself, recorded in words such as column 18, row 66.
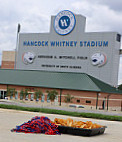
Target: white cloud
column 116, row 5
column 99, row 17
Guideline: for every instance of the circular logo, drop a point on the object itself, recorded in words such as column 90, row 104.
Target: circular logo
column 64, row 22
column 28, row 58
column 98, row 59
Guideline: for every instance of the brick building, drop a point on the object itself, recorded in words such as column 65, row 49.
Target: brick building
column 86, row 89
column 8, row 60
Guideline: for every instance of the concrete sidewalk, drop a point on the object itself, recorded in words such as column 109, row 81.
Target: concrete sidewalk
column 10, row 118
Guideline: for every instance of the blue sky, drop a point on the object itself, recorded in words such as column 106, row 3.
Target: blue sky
column 34, row 17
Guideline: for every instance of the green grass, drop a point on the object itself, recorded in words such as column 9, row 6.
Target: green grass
column 62, row 112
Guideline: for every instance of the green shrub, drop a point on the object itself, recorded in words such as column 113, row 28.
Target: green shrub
column 62, row 112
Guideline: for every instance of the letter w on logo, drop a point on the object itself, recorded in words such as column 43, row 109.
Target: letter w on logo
column 63, row 23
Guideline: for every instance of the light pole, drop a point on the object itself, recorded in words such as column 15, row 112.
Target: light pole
column 98, row 94
column 18, row 30
column 108, row 100
column 60, row 96
column 121, row 105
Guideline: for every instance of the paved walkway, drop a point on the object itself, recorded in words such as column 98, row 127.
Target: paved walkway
column 63, row 107
column 10, row 118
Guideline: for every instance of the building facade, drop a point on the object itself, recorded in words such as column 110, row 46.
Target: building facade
column 68, row 48
column 68, row 60
column 84, row 98
column 8, row 60
column 85, row 89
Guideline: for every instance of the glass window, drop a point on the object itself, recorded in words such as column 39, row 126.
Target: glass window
column 88, row 101
column 78, row 101
column 48, row 101
column 31, row 97
column 16, row 95
column 43, row 98
column 118, row 37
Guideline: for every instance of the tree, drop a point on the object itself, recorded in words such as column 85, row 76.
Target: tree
column 11, row 92
column 38, row 94
column 52, row 95
column 68, row 98
column 21, row 94
column 120, row 87
column 8, row 93
column 26, row 94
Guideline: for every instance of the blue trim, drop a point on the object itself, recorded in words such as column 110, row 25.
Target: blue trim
column 72, row 27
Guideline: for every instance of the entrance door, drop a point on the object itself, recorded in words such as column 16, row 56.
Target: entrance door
column 2, row 94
